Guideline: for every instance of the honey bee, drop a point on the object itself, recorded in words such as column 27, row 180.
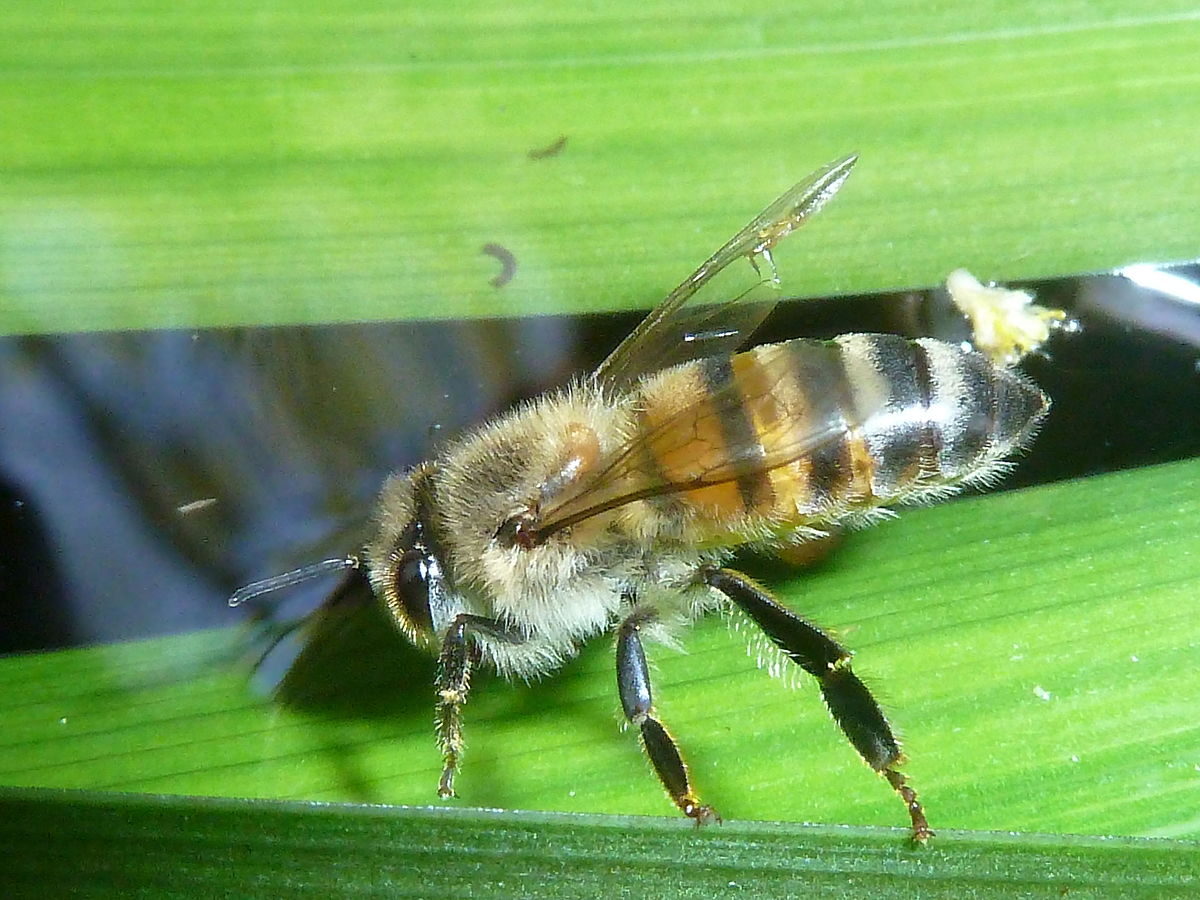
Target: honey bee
column 615, row 504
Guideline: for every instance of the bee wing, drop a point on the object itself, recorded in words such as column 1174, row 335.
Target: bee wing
column 683, row 327
column 689, row 447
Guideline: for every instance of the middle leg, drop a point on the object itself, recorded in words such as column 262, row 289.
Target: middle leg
column 633, row 683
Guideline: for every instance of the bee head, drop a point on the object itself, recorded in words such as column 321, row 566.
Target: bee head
column 403, row 558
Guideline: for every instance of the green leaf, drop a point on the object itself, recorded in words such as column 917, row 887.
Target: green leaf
column 256, row 163
column 233, row 163
column 1035, row 648
column 60, row 843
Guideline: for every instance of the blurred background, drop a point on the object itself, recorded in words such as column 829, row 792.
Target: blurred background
column 145, row 475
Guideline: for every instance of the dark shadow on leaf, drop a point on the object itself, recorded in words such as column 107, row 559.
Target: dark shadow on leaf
column 354, row 664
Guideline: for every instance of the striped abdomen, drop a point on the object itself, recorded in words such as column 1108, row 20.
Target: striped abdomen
column 806, row 432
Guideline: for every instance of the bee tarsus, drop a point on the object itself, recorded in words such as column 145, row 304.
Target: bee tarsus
column 921, row 832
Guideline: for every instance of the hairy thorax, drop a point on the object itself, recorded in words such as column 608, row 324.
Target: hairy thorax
column 562, row 589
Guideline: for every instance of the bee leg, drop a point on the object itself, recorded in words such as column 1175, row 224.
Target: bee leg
column 453, row 682
column 633, row 684
column 849, row 701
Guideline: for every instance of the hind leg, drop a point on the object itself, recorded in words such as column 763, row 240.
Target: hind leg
column 849, row 701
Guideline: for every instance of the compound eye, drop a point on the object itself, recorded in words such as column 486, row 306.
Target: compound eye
column 415, row 573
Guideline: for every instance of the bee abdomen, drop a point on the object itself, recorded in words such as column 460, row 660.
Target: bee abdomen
column 976, row 413
column 924, row 414
column 811, row 430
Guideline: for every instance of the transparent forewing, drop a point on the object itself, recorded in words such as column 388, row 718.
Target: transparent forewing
column 685, row 325
column 789, row 398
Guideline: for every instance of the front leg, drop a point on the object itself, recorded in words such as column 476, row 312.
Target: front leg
column 453, row 682
column 849, row 701
column 633, row 684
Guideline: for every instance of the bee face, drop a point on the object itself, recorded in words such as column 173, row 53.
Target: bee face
column 404, row 560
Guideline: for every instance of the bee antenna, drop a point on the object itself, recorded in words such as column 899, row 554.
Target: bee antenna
column 296, row 576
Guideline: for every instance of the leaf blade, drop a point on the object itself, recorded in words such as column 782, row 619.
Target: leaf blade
column 187, row 845
column 1001, row 633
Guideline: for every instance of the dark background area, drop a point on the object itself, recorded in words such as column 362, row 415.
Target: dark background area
column 144, row 476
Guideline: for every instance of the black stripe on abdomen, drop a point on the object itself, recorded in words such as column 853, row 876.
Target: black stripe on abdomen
column 828, row 407
column 897, row 427
column 742, row 445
